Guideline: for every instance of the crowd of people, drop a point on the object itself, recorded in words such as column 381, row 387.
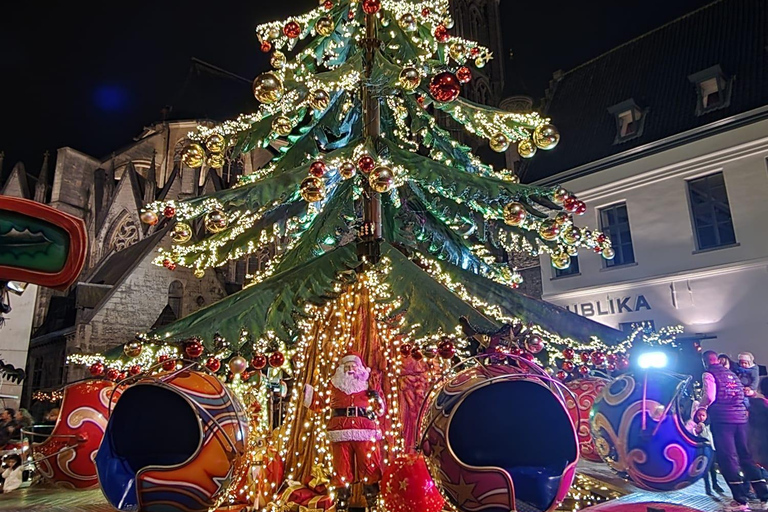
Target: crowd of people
column 733, row 416
column 13, row 427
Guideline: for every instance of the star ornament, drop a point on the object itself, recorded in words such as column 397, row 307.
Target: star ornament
column 404, row 484
column 463, row 491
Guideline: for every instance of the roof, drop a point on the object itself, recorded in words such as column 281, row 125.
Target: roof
column 116, row 266
column 653, row 70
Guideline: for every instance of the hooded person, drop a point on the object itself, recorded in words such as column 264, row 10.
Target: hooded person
column 353, row 429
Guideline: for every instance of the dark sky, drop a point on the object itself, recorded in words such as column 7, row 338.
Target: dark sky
column 92, row 77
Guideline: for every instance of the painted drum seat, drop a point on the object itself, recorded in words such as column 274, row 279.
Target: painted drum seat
column 497, row 437
column 638, row 424
column 585, row 392
column 173, row 443
column 65, row 459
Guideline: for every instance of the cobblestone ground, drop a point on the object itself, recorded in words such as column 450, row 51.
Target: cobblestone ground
column 42, row 499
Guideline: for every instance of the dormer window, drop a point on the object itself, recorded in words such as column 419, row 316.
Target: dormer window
column 630, row 120
column 713, row 89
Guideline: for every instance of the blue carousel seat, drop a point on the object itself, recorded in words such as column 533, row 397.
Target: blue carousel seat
column 536, row 485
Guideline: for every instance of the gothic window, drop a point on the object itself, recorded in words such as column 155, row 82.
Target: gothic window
column 481, row 92
column 124, row 234
column 175, row 297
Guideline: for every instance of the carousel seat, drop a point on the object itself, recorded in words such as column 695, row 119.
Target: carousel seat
column 536, row 485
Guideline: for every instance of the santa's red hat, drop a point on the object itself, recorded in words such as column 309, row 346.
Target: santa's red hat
column 352, row 357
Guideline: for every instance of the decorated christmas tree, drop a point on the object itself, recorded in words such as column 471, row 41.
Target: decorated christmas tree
column 389, row 232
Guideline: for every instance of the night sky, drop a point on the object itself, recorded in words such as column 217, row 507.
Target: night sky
column 92, row 78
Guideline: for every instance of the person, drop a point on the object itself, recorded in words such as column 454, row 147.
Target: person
column 12, row 474
column 22, row 420
column 51, row 416
column 758, row 425
column 7, row 426
column 700, row 428
column 353, row 430
column 748, row 373
column 723, row 400
column 726, row 361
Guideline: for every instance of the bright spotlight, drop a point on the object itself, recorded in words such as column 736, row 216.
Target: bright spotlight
column 652, row 360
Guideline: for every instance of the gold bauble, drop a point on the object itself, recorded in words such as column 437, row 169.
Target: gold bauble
column 182, row 233
column 320, row 99
column 480, row 62
column 149, row 217
column 238, row 365
column 429, row 352
column 561, row 261
column 274, row 33
column 526, row 148
column 268, row 88
column 560, row 195
column 408, row 22
column 312, row 189
column 199, row 273
column 572, row 250
column 546, row 136
column 215, row 221
column 193, row 155
column 278, row 60
column 216, row 161
column 571, row 235
column 458, row 52
column 324, row 26
column 509, row 176
column 410, row 78
column 609, row 253
column 499, row 142
column 549, row 230
column 132, row 349
column 347, row 170
column 215, row 143
column 382, row 179
column 282, row 126
column 514, row 214
column 563, row 218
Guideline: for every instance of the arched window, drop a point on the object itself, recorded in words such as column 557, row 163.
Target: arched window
column 123, row 234
column 176, row 297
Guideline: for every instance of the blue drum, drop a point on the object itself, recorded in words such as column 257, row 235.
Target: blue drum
column 639, row 427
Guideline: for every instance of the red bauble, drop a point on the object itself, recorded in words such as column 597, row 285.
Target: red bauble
column 417, row 355
column 568, row 366
column 444, row 87
column 169, row 365
column 441, row 33
column 420, row 100
column 259, row 361
column 425, row 12
column 622, row 363
column 112, row 374
column 420, row 494
column 585, row 357
column 328, row 5
column 366, row 164
column 193, row 349
column 350, row 14
column 611, row 367
column 598, row 249
column 581, row 208
column 528, row 356
column 517, row 351
column 292, row 30
column 122, row 375
column 134, row 370
column 568, row 353
column 405, row 349
column 601, row 238
column 213, row 364
column 371, row 6
column 464, row 74
column 598, row 358
column 276, row 359
column 584, row 370
column 446, row 349
column 561, row 375
column 245, row 376
column 266, row 47
column 570, row 204
column 96, row 369
column 317, row 169
column 169, row 264
column 169, row 211
column 611, row 358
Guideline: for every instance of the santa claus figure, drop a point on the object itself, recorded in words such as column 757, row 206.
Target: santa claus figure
column 353, row 430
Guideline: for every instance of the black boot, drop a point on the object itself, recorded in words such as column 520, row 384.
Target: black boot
column 342, row 499
column 371, row 493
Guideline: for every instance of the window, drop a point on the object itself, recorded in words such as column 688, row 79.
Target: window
column 614, row 222
column 573, row 270
column 629, row 327
column 713, row 89
column 630, row 120
column 175, row 296
column 711, row 212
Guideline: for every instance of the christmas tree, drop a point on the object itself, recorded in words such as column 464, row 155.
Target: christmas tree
column 389, row 229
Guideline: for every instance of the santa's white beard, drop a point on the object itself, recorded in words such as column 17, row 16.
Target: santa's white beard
column 350, row 383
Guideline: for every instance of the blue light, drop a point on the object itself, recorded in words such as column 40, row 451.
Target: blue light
column 652, row 360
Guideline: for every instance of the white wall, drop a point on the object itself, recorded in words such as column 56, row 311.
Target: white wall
column 722, row 292
column 14, row 339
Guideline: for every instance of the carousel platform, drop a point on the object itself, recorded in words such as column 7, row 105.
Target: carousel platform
column 599, row 483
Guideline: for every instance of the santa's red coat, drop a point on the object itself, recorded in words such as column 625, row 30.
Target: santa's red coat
column 349, row 428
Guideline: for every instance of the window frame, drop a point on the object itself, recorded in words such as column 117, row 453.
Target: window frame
column 638, row 116
column 609, row 264
column 569, row 272
column 725, row 88
column 694, row 228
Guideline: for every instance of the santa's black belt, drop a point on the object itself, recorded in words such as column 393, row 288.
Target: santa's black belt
column 351, row 412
